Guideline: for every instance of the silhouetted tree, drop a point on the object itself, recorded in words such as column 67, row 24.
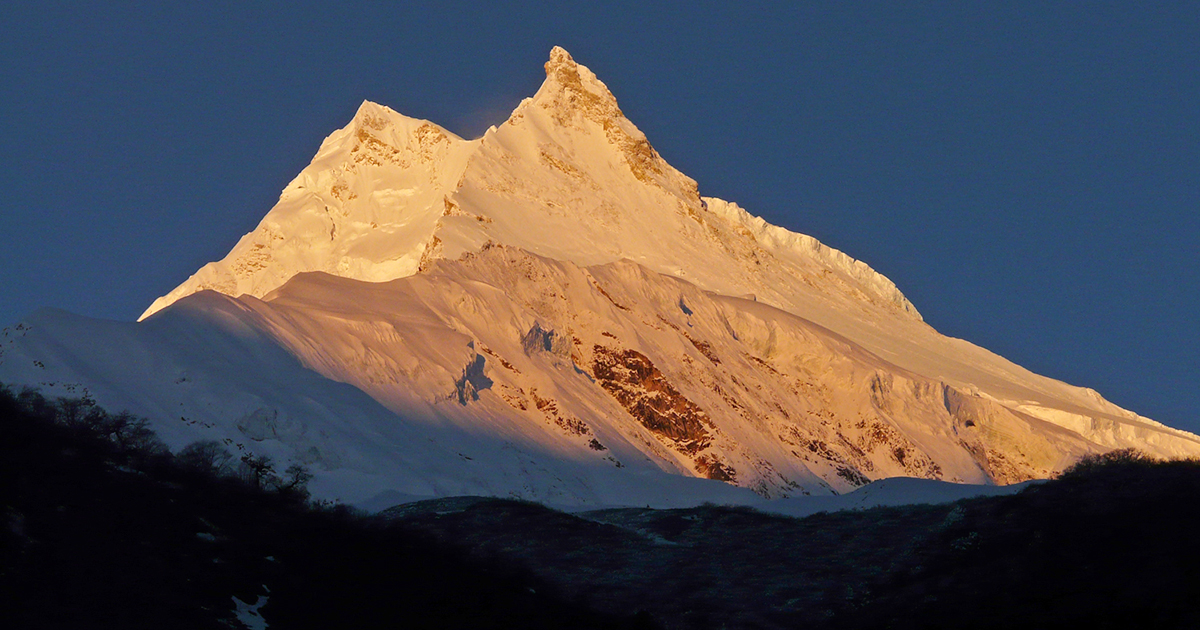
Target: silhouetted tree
column 32, row 401
column 259, row 470
column 1118, row 457
column 295, row 481
column 207, row 456
column 78, row 412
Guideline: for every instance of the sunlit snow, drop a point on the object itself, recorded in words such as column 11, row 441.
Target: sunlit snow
column 553, row 312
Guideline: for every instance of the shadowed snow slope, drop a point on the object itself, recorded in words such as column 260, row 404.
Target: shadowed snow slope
column 553, row 312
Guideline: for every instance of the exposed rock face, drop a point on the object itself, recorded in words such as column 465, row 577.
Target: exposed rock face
column 647, row 395
column 539, row 340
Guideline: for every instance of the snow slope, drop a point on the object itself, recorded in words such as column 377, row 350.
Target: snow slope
column 510, row 374
column 553, row 312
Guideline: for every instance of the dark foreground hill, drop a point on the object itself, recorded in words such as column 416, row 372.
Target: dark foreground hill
column 104, row 529
column 1108, row 545
column 101, row 528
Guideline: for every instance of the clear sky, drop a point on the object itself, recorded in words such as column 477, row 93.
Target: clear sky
column 1028, row 175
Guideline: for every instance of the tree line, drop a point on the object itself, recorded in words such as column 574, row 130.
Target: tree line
column 137, row 446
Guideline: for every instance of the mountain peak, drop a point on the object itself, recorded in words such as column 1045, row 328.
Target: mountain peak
column 387, row 192
column 571, row 87
column 559, row 56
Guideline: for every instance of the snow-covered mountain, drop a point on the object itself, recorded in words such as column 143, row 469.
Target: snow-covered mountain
column 552, row 311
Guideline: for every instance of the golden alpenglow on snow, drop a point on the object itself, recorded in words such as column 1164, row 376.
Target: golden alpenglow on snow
column 554, row 312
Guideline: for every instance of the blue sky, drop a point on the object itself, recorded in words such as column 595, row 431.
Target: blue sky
column 1028, row 175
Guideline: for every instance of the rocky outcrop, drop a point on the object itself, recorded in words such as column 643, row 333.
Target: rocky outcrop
column 645, row 393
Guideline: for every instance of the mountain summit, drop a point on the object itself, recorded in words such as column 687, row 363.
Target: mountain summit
column 552, row 311
column 567, row 175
